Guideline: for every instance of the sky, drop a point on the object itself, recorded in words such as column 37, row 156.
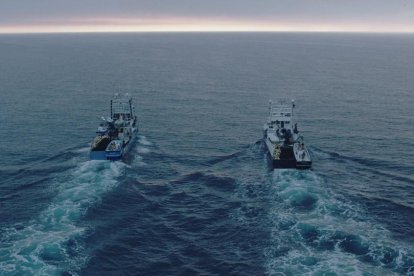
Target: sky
column 33, row 16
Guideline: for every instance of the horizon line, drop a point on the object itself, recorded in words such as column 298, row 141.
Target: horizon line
column 201, row 31
column 201, row 27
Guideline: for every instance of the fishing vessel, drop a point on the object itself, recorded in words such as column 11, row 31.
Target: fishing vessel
column 285, row 146
column 117, row 133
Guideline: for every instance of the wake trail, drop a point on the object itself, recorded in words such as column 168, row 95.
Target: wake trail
column 49, row 244
column 315, row 231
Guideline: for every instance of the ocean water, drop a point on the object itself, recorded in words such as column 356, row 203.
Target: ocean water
column 196, row 196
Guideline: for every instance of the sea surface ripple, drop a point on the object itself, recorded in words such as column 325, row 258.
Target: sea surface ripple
column 196, row 196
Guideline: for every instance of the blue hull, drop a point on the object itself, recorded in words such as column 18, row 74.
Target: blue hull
column 112, row 155
column 97, row 155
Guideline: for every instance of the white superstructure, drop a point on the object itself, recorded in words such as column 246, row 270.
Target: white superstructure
column 283, row 142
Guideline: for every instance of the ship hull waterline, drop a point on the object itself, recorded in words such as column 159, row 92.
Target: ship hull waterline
column 113, row 155
column 288, row 163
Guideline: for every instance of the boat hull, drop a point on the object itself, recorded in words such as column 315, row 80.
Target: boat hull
column 303, row 165
column 284, row 164
column 113, row 155
column 286, row 160
column 289, row 163
column 285, row 147
column 97, row 155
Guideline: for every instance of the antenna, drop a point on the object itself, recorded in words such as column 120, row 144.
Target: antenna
column 270, row 107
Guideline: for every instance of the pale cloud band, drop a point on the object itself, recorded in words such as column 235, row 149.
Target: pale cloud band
column 30, row 16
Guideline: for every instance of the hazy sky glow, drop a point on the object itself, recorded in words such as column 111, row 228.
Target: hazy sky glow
column 27, row 16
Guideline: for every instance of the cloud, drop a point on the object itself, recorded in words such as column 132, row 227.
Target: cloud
column 351, row 15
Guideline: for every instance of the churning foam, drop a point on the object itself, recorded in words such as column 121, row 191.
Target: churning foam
column 142, row 149
column 143, row 141
column 41, row 246
column 314, row 231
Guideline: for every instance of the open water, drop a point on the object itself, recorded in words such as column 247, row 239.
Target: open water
column 196, row 195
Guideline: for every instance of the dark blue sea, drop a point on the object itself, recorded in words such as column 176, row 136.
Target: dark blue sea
column 196, row 196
